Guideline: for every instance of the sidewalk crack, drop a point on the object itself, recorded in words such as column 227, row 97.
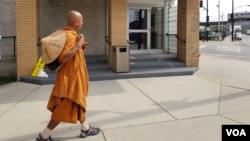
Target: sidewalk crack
column 151, row 99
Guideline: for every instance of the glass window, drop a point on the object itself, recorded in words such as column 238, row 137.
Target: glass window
column 138, row 41
column 157, row 27
column 137, row 19
column 146, row 28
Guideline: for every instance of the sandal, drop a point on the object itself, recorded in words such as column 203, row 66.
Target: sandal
column 90, row 132
column 40, row 138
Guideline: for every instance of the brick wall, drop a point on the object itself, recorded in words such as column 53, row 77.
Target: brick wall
column 117, row 25
column 26, row 32
column 118, row 22
column 188, row 30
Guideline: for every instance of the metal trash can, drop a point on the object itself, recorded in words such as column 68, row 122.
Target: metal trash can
column 121, row 61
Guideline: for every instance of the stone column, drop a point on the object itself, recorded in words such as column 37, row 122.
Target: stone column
column 27, row 36
column 188, row 32
column 117, row 25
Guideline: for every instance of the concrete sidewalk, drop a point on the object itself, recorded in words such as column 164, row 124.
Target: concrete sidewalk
column 178, row 108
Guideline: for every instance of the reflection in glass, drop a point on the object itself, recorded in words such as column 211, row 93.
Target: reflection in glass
column 138, row 41
column 157, row 28
column 137, row 19
column 146, row 28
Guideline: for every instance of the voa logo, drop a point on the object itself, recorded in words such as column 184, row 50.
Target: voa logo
column 236, row 132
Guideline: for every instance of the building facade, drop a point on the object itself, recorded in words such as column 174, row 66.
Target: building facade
column 7, row 37
column 241, row 21
column 140, row 23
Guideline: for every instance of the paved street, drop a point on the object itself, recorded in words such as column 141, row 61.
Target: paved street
column 227, row 48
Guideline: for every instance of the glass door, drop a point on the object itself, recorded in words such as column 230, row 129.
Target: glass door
column 145, row 30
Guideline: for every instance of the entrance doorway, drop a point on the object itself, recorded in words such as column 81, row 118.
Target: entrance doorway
column 145, row 30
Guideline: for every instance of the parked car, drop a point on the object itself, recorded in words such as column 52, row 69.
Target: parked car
column 213, row 36
column 238, row 36
column 248, row 32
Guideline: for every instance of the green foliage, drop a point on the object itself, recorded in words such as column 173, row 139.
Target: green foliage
column 237, row 30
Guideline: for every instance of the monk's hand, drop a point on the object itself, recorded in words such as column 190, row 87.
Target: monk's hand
column 80, row 42
column 81, row 36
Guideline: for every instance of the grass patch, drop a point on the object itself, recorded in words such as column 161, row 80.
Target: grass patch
column 7, row 79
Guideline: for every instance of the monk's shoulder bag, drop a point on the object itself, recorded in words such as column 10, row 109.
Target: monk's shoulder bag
column 54, row 66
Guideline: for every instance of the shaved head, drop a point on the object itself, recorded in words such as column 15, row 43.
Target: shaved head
column 74, row 18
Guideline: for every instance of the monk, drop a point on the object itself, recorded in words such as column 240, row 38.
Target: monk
column 68, row 97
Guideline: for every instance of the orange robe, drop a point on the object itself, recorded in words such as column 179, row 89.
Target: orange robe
column 68, row 98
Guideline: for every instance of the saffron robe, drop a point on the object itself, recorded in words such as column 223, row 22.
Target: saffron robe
column 68, row 97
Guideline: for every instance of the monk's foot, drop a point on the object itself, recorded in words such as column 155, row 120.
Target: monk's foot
column 40, row 138
column 90, row 132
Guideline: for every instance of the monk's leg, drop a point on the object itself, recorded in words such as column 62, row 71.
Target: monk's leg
column 87, row 130
column 46, row 133
column 84, row 125
column 52, row 124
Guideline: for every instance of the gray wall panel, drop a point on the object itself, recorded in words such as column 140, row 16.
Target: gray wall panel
column 53, row 15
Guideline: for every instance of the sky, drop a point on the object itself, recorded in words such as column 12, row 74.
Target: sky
column 225, row 8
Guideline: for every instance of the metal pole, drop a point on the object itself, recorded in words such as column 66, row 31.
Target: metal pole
column 207, row 23
column 232, row 20
column 222, row 24
column 218, row 16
